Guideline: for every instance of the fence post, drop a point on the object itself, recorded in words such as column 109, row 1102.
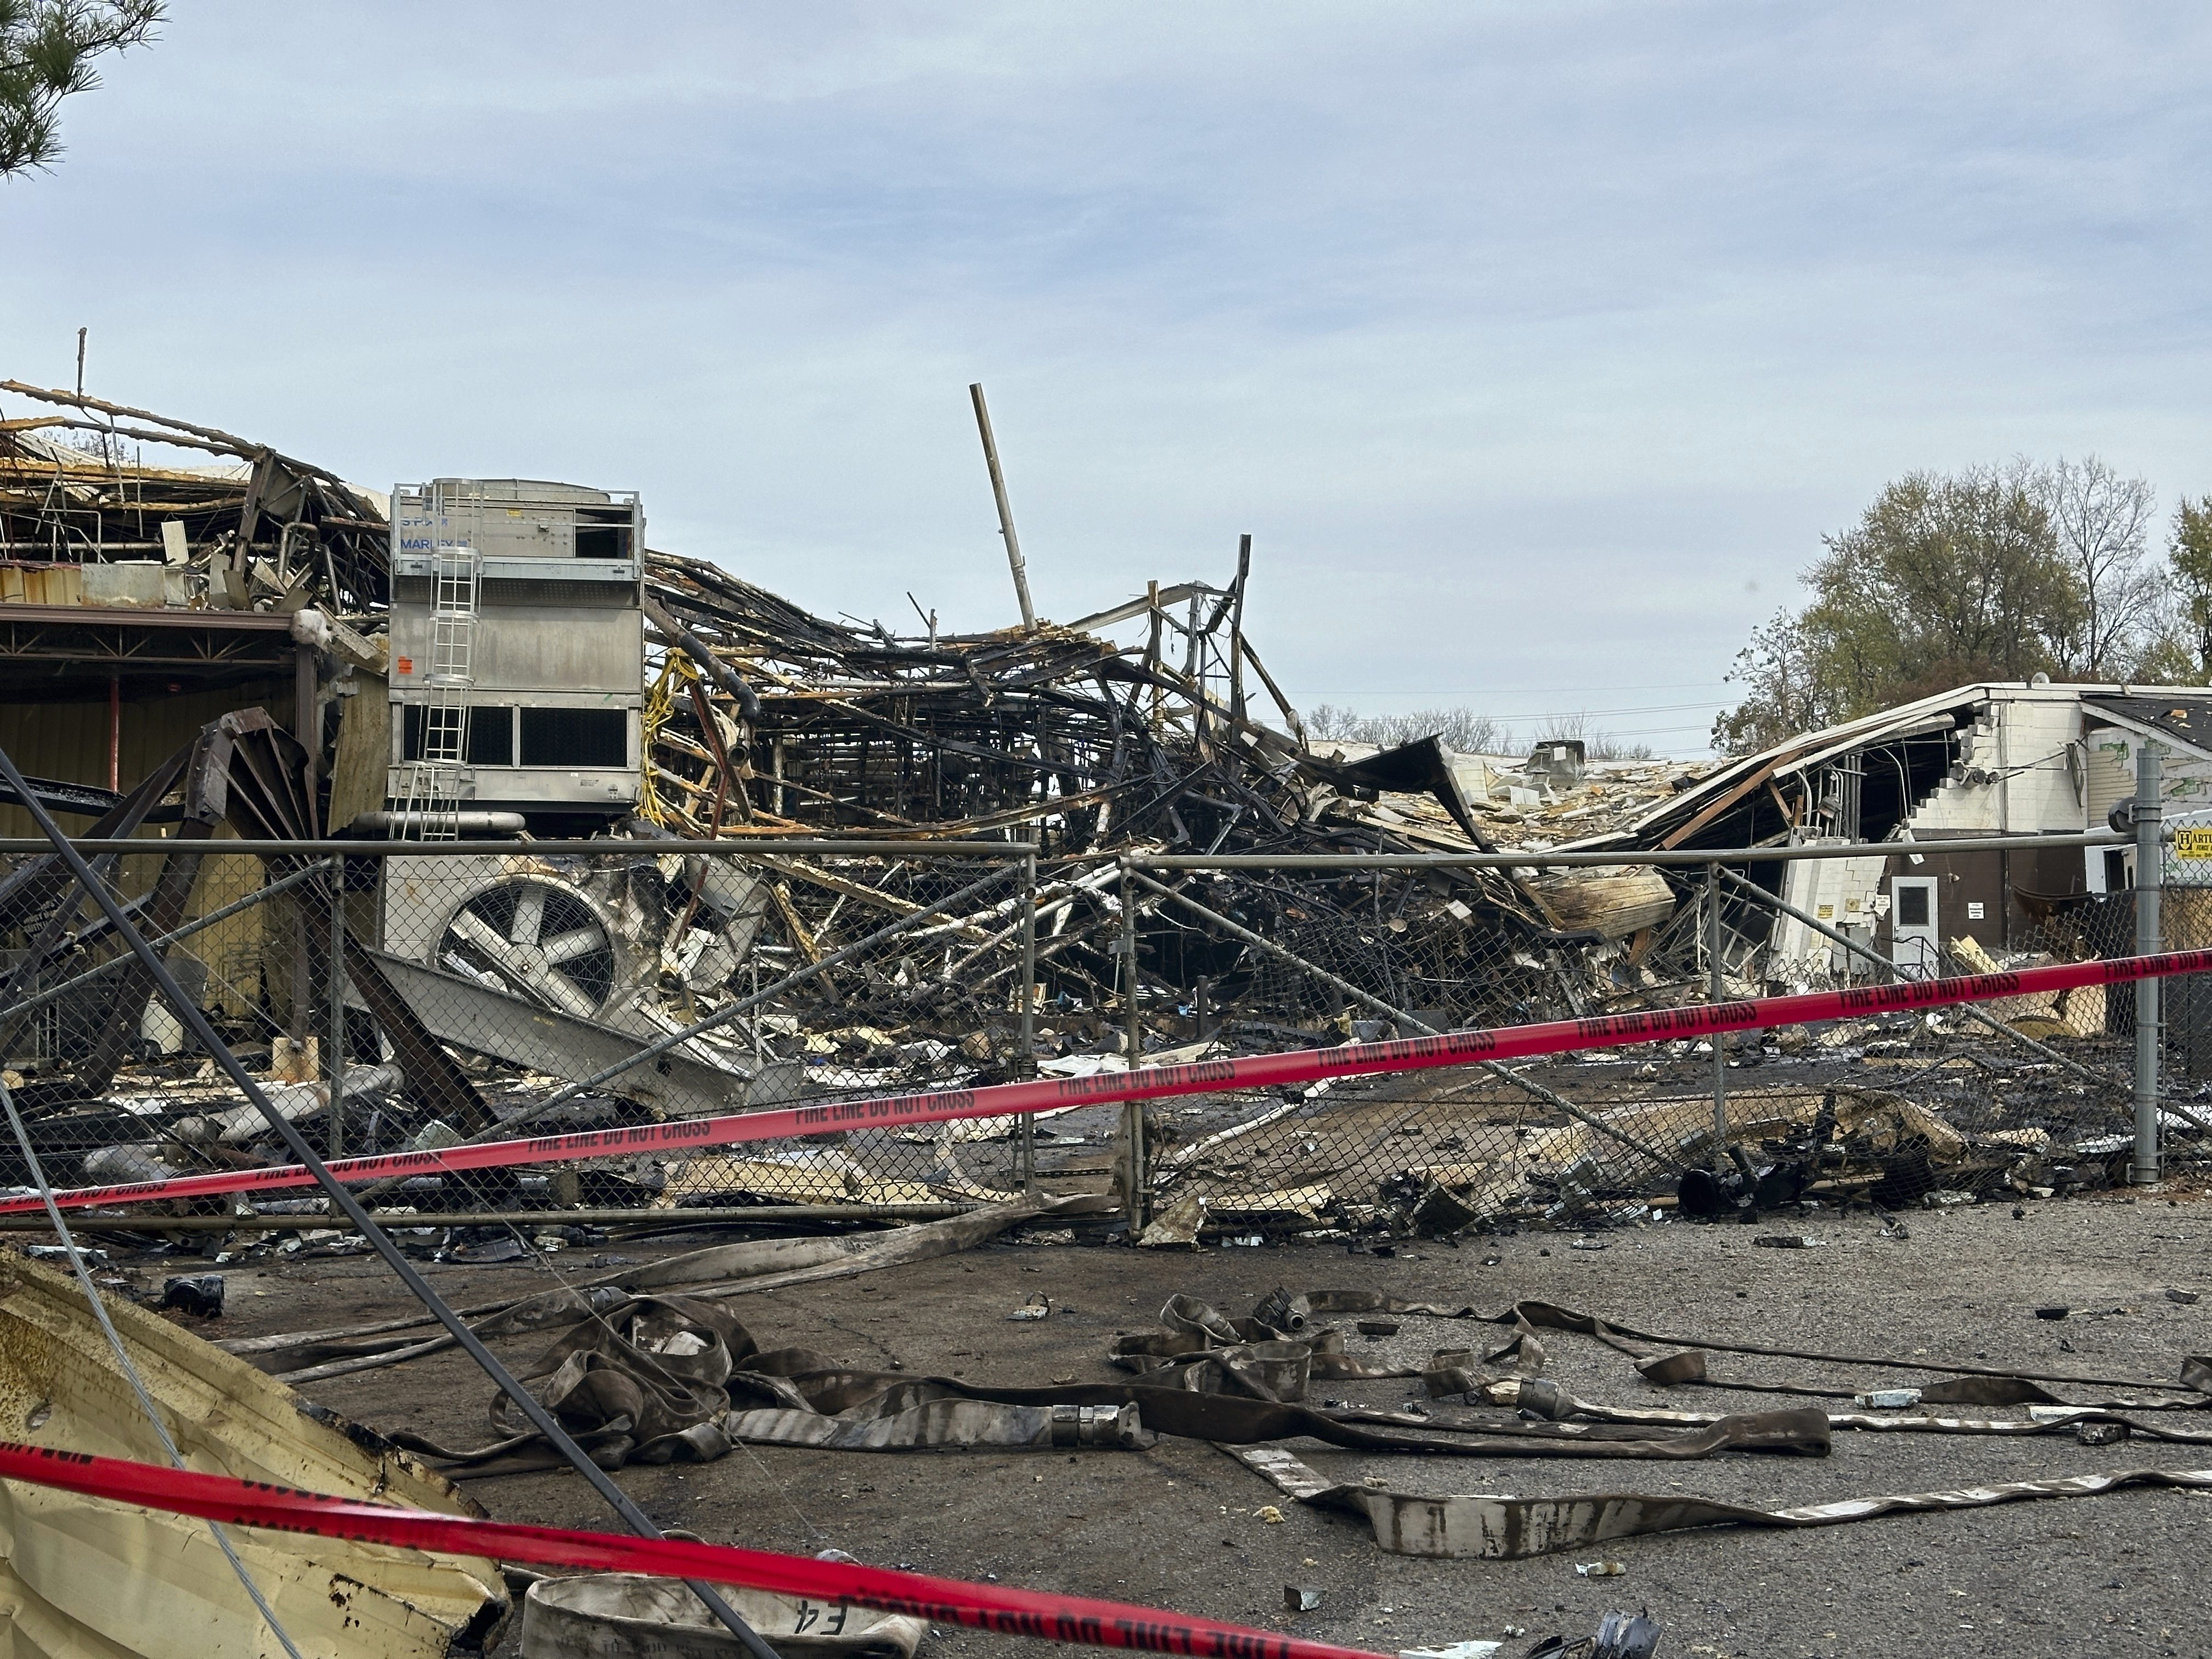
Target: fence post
column 1714, row 997
column 1132, row 1051
column 1025, row 1028
column 2150, row 873
column 334, row 1057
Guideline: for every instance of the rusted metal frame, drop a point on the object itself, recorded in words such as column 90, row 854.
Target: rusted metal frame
column 810, row 844
column 263, row 794
column 1290, row 714
column 726, row 770
column 1156, row 599
column 1049, row 898
column 433, row 1078
column 1236, row 627
column 873, row 898
column 116, row 824
column 950, row 745
column 888, row 820
column 1399, row 1016
column 1106, row 989
column 30, row 1004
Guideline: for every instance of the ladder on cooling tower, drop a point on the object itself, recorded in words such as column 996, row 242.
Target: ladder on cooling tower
column 434, row 780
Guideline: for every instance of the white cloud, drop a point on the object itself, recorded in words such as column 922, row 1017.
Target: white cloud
column 1536, row 343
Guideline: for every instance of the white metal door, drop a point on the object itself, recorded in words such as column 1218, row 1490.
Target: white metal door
column 1912, row 935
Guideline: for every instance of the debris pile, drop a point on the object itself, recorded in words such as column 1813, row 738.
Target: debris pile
column 84, row 520
column 495, row 983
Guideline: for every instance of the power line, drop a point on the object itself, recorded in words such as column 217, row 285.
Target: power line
column 1564, row 713
column 1575, row 714
column 1569, row 690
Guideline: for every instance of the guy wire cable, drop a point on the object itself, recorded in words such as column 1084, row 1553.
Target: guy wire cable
column 196, row 1022
column 129, row 1370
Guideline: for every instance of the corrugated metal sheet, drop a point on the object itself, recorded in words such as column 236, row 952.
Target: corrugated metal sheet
column 2110, row 764
column 68, row 741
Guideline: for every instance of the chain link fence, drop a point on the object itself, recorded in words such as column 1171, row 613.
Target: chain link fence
column 484, row 994
column 411, row 1001
column 2029, row 1097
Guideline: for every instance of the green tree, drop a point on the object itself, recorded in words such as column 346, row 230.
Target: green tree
column 47, row 53
column 1944, row 581
column 2189, row 553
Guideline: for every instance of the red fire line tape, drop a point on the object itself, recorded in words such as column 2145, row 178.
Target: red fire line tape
column 1257, row 1070
column 941, row 1601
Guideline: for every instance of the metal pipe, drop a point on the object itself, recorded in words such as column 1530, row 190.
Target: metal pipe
column 114, row 732
column 764, row 1213
column 2150, row 876
column 1496, row 1068
column 1005, row 510
column 473, row 821
column 734, row 844
column 1696, row 857
column 196, row 1022
column 1715, row 995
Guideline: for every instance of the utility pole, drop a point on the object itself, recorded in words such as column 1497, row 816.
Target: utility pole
column 1005, row 510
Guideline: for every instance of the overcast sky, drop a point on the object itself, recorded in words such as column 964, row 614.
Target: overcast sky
column 1535, row 344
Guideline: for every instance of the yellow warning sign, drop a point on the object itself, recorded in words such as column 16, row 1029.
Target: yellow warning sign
column 2192, row 843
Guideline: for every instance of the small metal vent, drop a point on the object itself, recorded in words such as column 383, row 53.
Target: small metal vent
column 598, row 596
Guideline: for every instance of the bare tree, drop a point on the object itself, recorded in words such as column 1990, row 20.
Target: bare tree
column 1785, row 690
column 1459, row 728
column 2102, row 525
column 46, row 50
column 1597, row 743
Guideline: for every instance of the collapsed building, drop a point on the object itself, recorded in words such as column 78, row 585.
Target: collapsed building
column 252, row 646
column 500, row 670
column 1984, row 762
column 473, row 657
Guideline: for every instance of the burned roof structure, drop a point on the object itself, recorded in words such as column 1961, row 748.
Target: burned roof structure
column 255, row 526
